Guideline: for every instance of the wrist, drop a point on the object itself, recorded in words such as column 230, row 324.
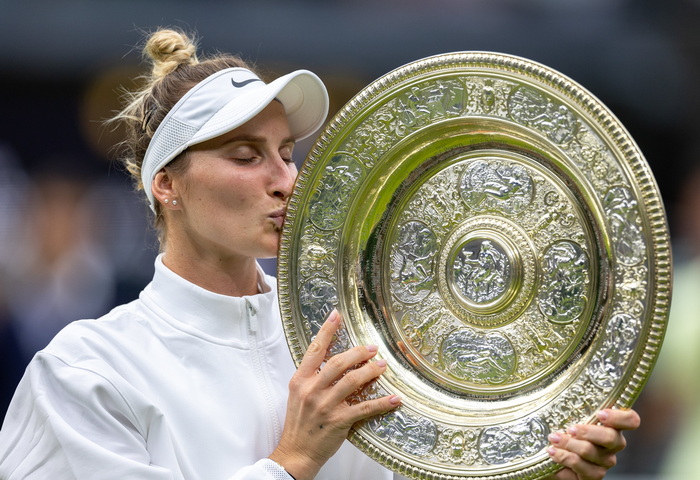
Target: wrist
column 295, row 467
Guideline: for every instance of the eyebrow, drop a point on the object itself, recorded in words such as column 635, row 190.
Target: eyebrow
column 256, row 139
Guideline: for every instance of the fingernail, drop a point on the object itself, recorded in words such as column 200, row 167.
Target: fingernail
column 394, row 399
column 372, row 348
column 603, row 415
column 554, row 437
column 334, row 316
column 381, row 363
column 572, row 431
column 551, row 451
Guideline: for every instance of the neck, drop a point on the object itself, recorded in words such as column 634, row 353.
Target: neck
column 235, row 277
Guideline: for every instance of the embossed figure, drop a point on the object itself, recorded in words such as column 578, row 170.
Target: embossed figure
column 412, row 258
column 317, row 298
column 500, row 445
column 332, row 198
column 479, row 358
column 558, row 211
column 531, row 108
column 496, row 185
column 562, row 297
column 482, row 275
column 194, row 378
column 623, row 213
column 425, row 103
column 414, row 435
column 621, row 336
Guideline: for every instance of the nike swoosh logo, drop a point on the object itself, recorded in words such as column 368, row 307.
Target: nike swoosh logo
column 244, row 83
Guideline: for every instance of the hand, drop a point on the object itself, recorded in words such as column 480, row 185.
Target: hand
column 318, row 416
column 588, row 451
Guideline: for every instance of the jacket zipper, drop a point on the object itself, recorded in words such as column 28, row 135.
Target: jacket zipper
column 258, row 360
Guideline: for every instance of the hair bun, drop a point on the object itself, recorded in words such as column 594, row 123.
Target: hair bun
column 168, row 49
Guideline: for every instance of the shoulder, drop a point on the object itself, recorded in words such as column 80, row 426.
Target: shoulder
column 85, row 340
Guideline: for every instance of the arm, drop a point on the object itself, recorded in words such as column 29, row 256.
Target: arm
column 318, row 417
column 68, row 422
column 588, row 451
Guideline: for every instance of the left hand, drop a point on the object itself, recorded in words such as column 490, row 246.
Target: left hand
column 588, row 451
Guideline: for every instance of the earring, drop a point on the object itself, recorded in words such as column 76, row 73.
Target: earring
column 166, row 200
column 174, row 202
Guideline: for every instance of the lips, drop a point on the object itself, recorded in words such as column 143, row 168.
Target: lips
column 278, row 217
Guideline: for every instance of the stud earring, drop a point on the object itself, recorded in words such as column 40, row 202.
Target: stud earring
column 166, row 200
column 174, row 202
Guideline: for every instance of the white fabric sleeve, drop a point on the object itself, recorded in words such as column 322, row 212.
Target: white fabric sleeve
column 72, row 423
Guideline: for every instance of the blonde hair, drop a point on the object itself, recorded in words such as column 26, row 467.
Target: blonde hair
column 175, row 69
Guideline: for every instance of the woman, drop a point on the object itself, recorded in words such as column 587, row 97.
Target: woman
column 194, row 379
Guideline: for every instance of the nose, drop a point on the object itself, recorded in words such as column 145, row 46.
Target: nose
column 284, row 175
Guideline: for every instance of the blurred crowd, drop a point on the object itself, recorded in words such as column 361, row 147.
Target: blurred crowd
column 74, row 244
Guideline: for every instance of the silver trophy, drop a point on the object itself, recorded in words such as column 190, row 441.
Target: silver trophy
column 495, row 230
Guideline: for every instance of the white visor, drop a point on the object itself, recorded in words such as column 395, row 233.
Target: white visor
column 226, row 100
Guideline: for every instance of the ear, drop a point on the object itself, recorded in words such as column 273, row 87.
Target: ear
column 162, row 188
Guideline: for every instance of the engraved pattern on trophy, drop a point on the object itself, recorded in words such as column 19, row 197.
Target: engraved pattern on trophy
column 331, row 199
column 402, row 116
column 481, row 358
column 594, row 159
column 415, row 435
column 540, row 343
column 412, row 262
column 317, row 297
column 424, row 323
column 482, row 270
column 428, row 102
column 623, row 213
column 458, row 446
column 487, row 272
column 563, row 293
column 487, row 96
column 495, row 185
column 580, row 400
column 609, row 362
column 440, row 205
column 499, row 445
column 318, row 249
column 557, row 211
column 530, row 108
column 632, row 289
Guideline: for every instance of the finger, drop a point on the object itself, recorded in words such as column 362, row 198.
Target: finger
column 370, row 408
column 581, row 469
column 605, row 439
column 620, row 419
column 316, row 352
column 355, row 379
column 585, row 450
column 341, row 364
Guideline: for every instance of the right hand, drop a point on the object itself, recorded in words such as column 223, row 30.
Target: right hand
column 318, row 416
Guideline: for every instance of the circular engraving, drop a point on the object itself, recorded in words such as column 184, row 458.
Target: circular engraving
column 491, row 226
column 490, row 272
column 481, row 271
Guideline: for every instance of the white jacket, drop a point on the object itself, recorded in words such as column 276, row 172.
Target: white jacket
column 182, row 383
